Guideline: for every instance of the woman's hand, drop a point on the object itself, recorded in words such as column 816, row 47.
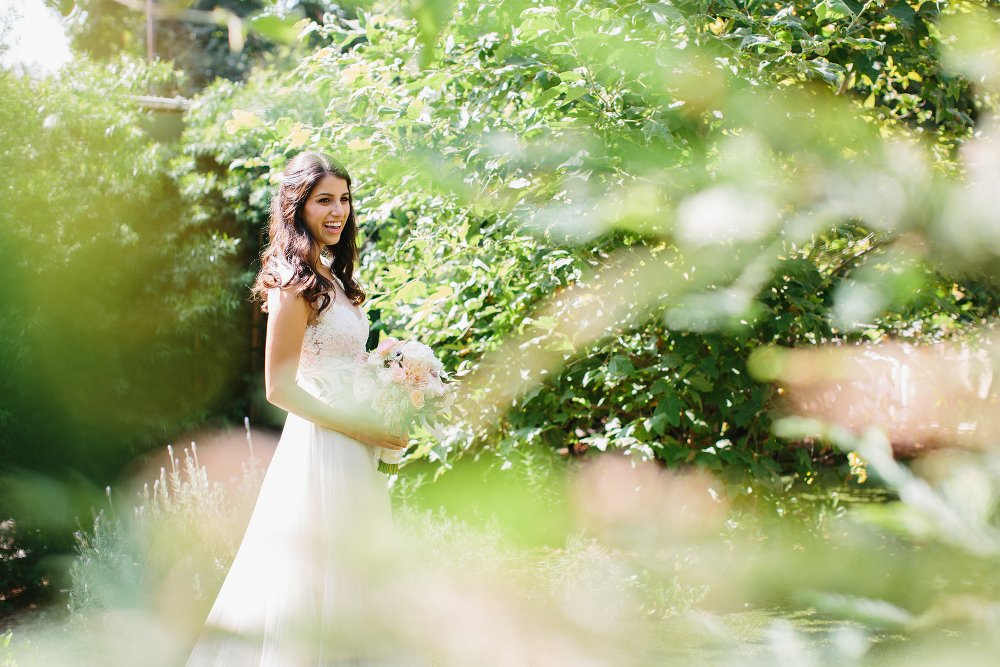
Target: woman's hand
column 384, row 440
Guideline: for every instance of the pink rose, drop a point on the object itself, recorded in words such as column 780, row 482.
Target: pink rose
column 386, row 345
column 398, row 374
column 417, row 398
column 361, row 359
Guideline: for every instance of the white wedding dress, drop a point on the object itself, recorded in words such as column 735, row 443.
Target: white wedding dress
column 296, row 593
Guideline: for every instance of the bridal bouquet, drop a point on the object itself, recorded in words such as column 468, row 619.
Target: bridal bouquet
column 405, row 383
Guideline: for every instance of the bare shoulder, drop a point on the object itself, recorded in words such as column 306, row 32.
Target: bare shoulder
column 286, row 304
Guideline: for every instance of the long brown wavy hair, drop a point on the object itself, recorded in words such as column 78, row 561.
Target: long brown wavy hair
column 293, row 245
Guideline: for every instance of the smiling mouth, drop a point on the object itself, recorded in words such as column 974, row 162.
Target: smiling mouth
column 333, row 227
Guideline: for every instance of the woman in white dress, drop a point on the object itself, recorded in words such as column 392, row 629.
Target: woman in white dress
column 295, row 594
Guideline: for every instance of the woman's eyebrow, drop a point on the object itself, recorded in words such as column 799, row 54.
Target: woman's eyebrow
column 329, row 194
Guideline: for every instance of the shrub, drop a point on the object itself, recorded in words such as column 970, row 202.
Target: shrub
column 525, row 175
column 127, row 323
column 184, row 528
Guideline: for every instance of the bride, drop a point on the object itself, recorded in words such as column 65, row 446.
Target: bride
column 296, row 592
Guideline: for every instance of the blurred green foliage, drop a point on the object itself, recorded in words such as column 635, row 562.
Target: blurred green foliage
column 125, row 321
column 645, row 566
column 118, row 282
column 169, row 557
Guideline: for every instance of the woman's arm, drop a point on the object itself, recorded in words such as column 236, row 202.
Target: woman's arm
column 288, row 315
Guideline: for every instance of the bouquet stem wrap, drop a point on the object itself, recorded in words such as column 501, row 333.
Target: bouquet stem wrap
column 388, row 459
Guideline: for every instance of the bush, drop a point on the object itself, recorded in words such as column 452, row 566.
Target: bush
column 525, row 183
column 127, row 326
column 185, row 529
column 125, row 321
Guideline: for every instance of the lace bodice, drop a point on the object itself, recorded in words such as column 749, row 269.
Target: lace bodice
column 334, row 340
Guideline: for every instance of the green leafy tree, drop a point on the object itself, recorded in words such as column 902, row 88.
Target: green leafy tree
column 199, row 38
column 7, row 18
column 125, row 320
column 519, row 163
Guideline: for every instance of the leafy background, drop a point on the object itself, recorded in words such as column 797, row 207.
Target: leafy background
column 601, row 211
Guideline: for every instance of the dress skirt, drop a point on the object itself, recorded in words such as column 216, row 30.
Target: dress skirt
column 298, row 590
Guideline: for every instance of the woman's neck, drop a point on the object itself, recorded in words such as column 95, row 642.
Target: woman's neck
column 320, row 266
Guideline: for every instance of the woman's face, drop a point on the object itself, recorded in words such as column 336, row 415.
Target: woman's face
column 327, row 209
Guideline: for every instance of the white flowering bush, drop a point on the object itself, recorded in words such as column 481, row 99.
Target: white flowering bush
column 184, row 528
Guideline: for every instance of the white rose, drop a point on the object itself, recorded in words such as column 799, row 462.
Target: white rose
column 417, row 370
column 381, row 400
column 417, row 398
column 417, row 353
column 436, row 386
column 364, row 387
